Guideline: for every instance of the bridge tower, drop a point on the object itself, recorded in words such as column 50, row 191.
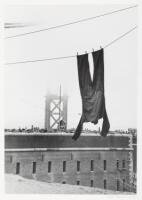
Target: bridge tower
column 56, row 112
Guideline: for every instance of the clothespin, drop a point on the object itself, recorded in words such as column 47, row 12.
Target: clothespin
column 77, row 53
column 100, row 47
column 86, row 52
column 92, row 49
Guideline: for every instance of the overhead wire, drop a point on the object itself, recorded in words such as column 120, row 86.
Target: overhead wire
column 71, row 23
column 121, row 36
column 70, row 56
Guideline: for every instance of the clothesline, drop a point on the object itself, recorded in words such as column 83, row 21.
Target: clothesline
column 71, row 23
column 71, row 56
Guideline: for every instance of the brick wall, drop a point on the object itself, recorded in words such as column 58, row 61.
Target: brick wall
column 71, row 176
column 65, row 141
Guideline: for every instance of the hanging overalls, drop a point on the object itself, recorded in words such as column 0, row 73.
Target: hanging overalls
column 92, row 92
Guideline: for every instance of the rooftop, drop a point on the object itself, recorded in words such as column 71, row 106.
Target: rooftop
column 66, row 134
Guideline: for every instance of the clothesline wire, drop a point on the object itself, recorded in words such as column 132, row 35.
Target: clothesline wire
column 113, row 41
column 71, row 23
column 71, row 56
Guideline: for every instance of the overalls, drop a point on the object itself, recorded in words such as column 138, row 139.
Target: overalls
column 92, row 92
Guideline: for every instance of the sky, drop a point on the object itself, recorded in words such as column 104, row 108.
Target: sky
column 26, row 85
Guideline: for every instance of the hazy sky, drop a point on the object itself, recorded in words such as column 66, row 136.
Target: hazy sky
column 26, row 84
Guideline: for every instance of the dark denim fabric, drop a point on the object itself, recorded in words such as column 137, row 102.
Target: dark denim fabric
column 92, row 92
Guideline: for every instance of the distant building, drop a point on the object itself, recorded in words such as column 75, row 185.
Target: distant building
column 62, row 126
column 92, row 160
column 134, row 145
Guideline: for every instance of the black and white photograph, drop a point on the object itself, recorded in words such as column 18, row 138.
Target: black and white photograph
column 70, row 99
